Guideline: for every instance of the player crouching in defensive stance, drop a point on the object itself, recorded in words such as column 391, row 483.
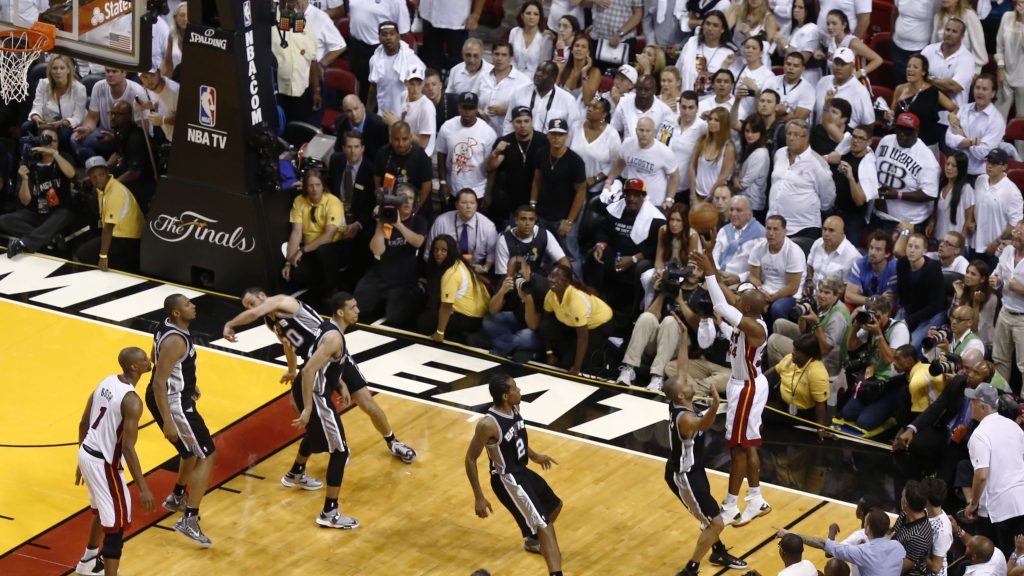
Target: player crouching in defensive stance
column 684, row 470
column 106, row 433
column 527, row 496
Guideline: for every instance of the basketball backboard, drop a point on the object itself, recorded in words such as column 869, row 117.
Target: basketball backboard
column 109, row 32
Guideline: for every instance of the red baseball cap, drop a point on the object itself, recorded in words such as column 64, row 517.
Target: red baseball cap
column 635, row 184
column 908, row 120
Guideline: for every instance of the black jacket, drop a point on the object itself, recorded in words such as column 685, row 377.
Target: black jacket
column 375, row 133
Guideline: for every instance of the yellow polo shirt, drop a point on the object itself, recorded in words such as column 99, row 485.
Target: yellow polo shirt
column 577, row 308
column 467, row 297
column 329, row 210
column 924, row 388
column 118, row 207
column 802, row 387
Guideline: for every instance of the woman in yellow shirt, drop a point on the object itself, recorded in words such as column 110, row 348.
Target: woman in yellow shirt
column 574, row 317
column 456, row 298
column 803, row 381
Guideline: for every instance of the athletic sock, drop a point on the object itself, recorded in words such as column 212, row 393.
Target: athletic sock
column 731, row 499
column 90, row 553
column 179, row 490
column 330, row 505
column 297, row 469
column 390, row 438
column 754, row 491
column 190, row 511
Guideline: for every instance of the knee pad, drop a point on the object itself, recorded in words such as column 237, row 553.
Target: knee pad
column 336, row 467
column 112, row 545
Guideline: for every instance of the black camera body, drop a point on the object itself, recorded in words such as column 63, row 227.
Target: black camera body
column 938, row 336
column 41, row 140
column 522, row 283
column 802, row 308
column 388, row 204
column 700, row 302
column 865, row 317
column 673, row 278
column 946, row 363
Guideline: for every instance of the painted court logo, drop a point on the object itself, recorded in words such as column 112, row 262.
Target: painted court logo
column 198, row 227
column 207, row 106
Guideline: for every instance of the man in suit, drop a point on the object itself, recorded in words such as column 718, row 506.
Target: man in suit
column 937, row 438
column 352, row 181
column 355, row 119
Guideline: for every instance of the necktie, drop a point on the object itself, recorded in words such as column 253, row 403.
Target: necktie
column 347, row 183
column 464, row 239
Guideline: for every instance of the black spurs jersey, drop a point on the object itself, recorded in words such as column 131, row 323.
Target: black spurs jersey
column 508, row 454
column 181, row 384
column 328, row 378
column 686, row 453
column 300, row 330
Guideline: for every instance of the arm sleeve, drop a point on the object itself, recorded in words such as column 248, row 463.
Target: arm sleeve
column 728, row 312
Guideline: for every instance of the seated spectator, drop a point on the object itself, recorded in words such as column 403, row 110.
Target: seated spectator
column 526, row 239
column 623, row 83
column 803, row 382
column 456, row 298
column 642, row 103
column 954, row 208
column 948, row 255
column 831, row 255
column 919, row 288
column 776, row 268
column 44, row 192
column 802, row 186
column 856, row 183
column 874, row 400
column 720, row 199
column 735, row 241
column 513, row 313
column 907, row 176
column 314, row 254
column 131, row 162
column 878, row 555
column 651, row 61
column 352, row 183
column 121, row 222
column 512, row 165
column 998, row 205
column 978, row 128
column 60, row 100
column 625, row 246
column 986, row 559
column 474, row 233
column 390, row 66
column 976, row 291
column 354, row 118
column 751, row 178
column 575, row 322
column 161, row 104
column 714, row 157
column 913, row 530
column 578, row 76
column 392, row 279
column 93, row 137
column 566, row 27
column 675, row 242
column 874, row 274
column 791, row 550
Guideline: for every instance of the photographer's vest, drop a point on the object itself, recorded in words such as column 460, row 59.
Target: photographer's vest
column 532, row 251
column 842, row 310
column 883, row 370
column 959, row 349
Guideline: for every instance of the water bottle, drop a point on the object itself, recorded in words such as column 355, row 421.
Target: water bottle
column 617, row 256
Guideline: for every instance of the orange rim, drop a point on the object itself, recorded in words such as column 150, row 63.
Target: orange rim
column 39, row 38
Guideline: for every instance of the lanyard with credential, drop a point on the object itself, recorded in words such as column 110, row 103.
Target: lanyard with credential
column 547, row 110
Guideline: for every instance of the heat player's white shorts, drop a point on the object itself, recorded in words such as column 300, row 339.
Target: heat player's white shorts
column 108, row 492
column 745, row 402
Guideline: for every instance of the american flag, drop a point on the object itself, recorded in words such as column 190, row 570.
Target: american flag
column 121, row 42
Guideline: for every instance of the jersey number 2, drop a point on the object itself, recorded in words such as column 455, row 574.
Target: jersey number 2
column 103, row 411
column 520, row 448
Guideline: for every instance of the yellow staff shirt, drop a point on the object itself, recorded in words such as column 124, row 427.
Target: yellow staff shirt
column 118, row 207
column 577, row 308
column 316, row 217
column 467, row 297
column 802, row 387
column 924, row 388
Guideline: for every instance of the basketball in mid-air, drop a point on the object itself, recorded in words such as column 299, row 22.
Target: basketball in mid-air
column 703, row 217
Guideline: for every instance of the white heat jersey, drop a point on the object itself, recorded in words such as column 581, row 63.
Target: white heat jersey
column 746, row 360
column 105, row 421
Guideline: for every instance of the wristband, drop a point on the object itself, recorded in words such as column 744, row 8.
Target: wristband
column 439, row 332
column 103, row 256
column 633, row 257
column 442, row 182
column 899, row 195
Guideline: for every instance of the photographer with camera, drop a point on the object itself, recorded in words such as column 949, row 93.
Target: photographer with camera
column 396, row 241
column 513, row 314
column 44, row 193
column 121, row 222
column 874, row 400
column 656, row 330
column 825, row 317
column 956, row 338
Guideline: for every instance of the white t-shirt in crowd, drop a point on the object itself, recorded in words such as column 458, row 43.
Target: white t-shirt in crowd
column 467, row 150
column 328, row 38
column 708, row 103
column 848, row 7
column 801, row 568
column 365, row 16
column 598, row 155
column 101, row 100
column 654, row 165
column 798, row 95
column 527, row 58
column 422, row 118
column 862, row 110
column 800, row 191
column 958, row 265
column 774, row 267
column 942, row 538
column 167, row 104
column 447, row 14
column 389, row 73
column 913, row 30
column 907, row 170
column 997, row 444
column 995, row 208
column 959, row 67
column 942, row 223
column 626, row 115
column 762, row 76
column 682, row 142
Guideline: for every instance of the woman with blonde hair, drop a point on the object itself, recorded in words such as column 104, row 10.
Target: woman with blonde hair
column 751, row 19
column 172, row 56
column 651, row 61
column 713, row 157
column 60, row 100
column 1010, row 42
column 671, row 88
column 974, row 35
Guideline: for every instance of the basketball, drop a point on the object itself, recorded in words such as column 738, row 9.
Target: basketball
column 703, row 218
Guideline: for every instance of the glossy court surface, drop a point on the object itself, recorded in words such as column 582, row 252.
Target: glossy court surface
column 63, row 326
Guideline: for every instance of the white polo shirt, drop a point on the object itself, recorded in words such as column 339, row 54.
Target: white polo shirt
column 998, row 444
column 460, row 80
column 494, row 93
column 995, row 207
column 862, row 111
column 958, row 67
column 837, row 263
column 626, row 114
column 801, row 190
column 798, row 95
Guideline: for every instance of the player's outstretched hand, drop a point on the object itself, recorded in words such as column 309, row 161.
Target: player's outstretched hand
column 302, row 420
column 483, row 507
column 545, row 461
column 229, row 334
column 146, row 498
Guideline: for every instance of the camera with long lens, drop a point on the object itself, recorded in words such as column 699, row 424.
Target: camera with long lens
column 673, row 277
column 946, row 363
column 865, row 317
column 388, row 204
column 938, row 336
column 803, row 308
column 522, row 283
column 700, row 302
column 34, row 141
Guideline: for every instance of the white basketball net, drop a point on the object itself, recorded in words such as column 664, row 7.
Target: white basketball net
column 17, row 53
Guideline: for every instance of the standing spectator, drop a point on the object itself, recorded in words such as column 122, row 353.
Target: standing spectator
column 456, row 298
column 920, row 288
column 911, row 32
column 843, row 84
column 1010, row 42
column 615, row 23
column 714, row 158
column 736, row 240
column 705, row 53
column 1009, row 276
column 974, row 36
column 578, row 75
column 978, row 128
column 597, row 143
column 639, row 104
column 352, row 178
column 803, row 35
column 856, row 183
column 392, row 278
column 161, row 104
column 751, row 179
column 474, row 233
column 752, row 75
column 998, row 205
column 329, row 47
column 497, row 86
column 545, row 100
column 559, row 189
column 418, row 111
column 802, row 186
column 575, row 321
column 854, row 11
column 942, row 531
column 723, row 84
column 683, row 139
column 566, row 27
column 93, row 136
column 390, row 66
column 919, row 97
column 467, row 75
column 949, row 253
column 364, row 19
column 875, row 273
column 649, row 160
column 121, row 223
column 751, row 20
column 407, row 162
column 532, row 42
column 463, row 145
column 976, row 291
column 907, row 176
column 996, row 447
column 314, row 253
column 671, row 85
column 776, row 267
column 913, row 530
column 796, row 96
column 175, row 39
column 446, row 25
column 512, row 164
column 951, row 65
column 839, row 35
column 954, row 208
column 661, row 22
column 296, row 80
column 878, row 556
column 446, row 104
column 355, row 119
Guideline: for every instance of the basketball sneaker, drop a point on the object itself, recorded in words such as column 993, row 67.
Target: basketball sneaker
column 730, row 514
column 402, row 452
column 91, row 567
column 336, row 520
column 687, row 572
column 174, row 503
column 531, row 545
column 626, row 375
column 723, row 558
column 656, row 382
column 756, row 508
column 189, row 526
column 304, row 481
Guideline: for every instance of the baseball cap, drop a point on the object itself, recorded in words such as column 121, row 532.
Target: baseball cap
column 521, row 111
column 629, row 72
column 634, row 184
column 908, row 120
column 415, row 73
column 984, row 393
column 558, row 126
column 844, row 54
column 468, row 99
column 95, row 162
column 998, row 156
column 386, row 24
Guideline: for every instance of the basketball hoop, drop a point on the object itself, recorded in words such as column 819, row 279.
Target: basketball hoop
column 19, row 48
